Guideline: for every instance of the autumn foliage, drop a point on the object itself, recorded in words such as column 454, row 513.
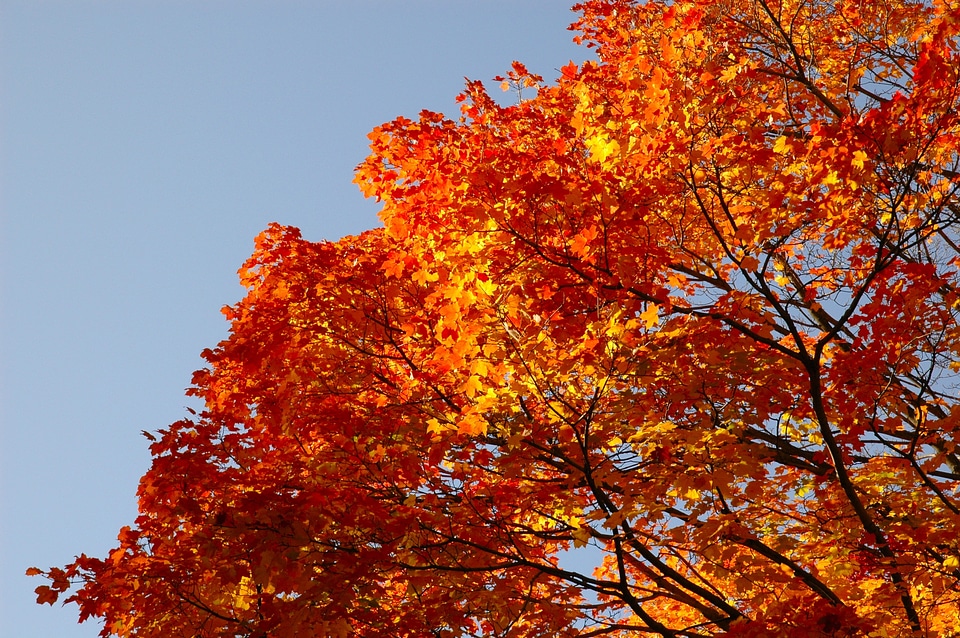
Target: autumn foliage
column 667, row 348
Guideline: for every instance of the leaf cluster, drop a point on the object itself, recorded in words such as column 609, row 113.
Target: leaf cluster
column 670, row 348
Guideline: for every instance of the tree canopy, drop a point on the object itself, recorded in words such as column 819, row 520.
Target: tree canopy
column 669, row 347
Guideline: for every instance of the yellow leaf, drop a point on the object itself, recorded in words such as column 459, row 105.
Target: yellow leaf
column 651, row 316
column 434, row 426
column 424, row 276
column 581, row 536
column 487, row 286
column 471, row 385
column 601, row 147
column 245, row 592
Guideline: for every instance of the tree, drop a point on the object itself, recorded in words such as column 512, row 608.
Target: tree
column 690, row 313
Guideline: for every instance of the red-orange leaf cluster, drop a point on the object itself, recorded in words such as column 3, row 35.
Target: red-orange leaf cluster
column 669, row 347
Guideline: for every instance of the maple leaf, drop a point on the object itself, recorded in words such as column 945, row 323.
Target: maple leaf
column 46, row 595
column 650, row 316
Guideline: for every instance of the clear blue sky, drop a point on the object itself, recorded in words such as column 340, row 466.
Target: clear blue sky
column 143, row 144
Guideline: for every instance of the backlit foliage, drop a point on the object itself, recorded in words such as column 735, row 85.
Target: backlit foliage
column 669, row 347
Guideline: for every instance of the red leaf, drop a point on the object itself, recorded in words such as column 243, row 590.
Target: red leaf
column 45, row 594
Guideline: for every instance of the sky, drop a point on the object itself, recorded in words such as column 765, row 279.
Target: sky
column 143, row 145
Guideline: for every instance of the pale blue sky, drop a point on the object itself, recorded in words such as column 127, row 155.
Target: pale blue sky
column 143, row 144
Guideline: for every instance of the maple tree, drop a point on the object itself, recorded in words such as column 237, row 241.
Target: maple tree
column 669, row 347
